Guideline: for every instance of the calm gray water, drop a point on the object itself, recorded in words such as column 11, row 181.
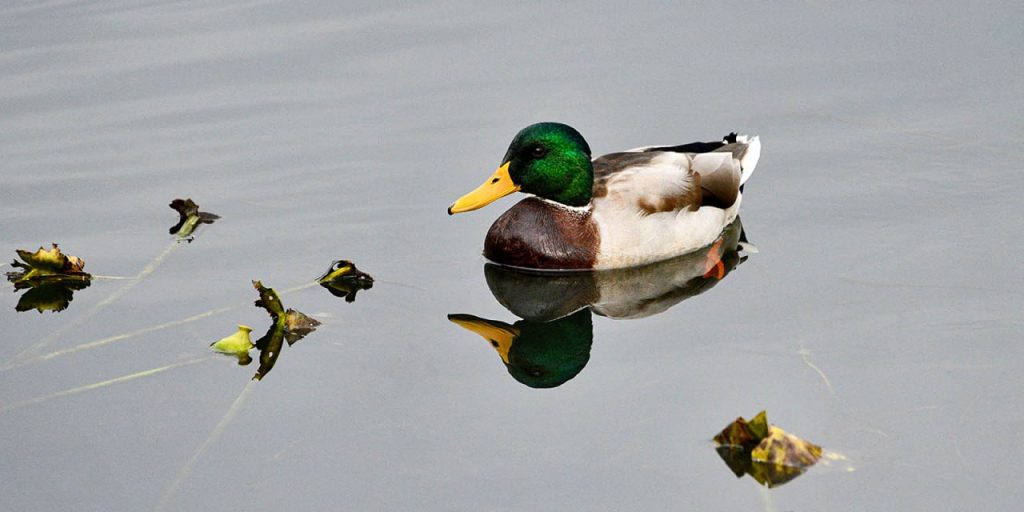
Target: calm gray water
column 880, row 317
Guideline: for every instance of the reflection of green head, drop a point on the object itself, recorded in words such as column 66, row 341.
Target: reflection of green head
column 547, row 354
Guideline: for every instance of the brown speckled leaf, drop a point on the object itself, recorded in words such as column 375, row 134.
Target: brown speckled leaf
column 737, row 433
column 770, row 455
column 783, row 448
column 297, row 325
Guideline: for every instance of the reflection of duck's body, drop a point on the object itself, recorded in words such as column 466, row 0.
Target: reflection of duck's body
column 619, row 210
column 552, row 342
column 626, row 293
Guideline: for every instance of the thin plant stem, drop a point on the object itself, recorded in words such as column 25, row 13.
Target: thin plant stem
column 99, row 306
column 186, row 471
column 134, row 334
column 101, row 384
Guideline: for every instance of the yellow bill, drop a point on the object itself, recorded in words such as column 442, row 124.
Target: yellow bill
column 497, row 186
column 499, row 334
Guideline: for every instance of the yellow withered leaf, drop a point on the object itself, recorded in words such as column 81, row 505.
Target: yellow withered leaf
column 50, row 261
column 237, row 343
column 770, row 455
column 785, row 449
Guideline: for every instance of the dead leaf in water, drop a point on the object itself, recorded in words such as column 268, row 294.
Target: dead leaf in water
column 287, row 325
column 237, row 345
column 269, row 300
column 46, row 264
column 189, row 217
column 51, row 277
column 737, row 433
column 770, row 455
column 297, row 325
column 344, row 280
column 783, row 448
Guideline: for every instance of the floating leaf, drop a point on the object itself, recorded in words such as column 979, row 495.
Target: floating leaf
column 238, row 342
column 759, row 425
column 783, row 448
column 343, row 279
column 770, row 455
column 290, row 325
column 46, row 265
column 297, row 325
column 189, row 217
column 52, row 277
column 737, row 433
column 269, row 300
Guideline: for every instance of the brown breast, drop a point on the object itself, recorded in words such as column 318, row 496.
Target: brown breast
column 537, row 234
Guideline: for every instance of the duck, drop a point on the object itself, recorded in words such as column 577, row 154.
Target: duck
column 619, row 210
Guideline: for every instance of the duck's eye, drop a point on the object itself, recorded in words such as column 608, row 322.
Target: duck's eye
column 538, row 151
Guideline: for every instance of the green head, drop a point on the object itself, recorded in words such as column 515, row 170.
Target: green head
column 549, row 160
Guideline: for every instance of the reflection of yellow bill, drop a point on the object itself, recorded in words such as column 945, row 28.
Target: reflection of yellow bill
column 497, row 186
column 499, row 334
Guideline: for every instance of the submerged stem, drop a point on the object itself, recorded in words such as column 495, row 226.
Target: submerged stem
column 218, row 430
column 117, row 294
column 101, row 384
column 15, row 363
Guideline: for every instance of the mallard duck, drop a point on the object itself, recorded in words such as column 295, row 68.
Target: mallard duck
column 615, row 211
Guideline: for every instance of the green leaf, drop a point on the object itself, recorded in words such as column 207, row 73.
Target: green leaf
column 759, row 426
column 287, row 325
column 270, row 301
column 237, row 343
column 189, row 217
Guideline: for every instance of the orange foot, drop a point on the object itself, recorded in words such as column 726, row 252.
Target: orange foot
column 713, row 261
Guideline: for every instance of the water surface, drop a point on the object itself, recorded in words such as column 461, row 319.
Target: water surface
column 880, row 317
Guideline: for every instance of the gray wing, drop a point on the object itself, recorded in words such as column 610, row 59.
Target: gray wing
column 704, row 179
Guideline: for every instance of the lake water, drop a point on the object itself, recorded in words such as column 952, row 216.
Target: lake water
column 880, row 316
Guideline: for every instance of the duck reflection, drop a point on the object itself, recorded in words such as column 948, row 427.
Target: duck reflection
column 550, row 344
column 538, row 354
